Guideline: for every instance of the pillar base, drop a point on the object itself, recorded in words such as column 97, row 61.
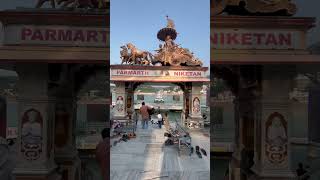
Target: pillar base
column 314, row 150
column 274, row 174
column 120, row 118
column 70, row 168
column 36, row 175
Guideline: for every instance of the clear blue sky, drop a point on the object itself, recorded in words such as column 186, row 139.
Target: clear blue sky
column 138, row 21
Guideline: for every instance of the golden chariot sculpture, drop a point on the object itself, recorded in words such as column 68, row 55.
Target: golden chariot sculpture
column 168, row 54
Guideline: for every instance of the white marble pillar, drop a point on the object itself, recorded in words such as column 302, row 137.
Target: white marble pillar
column 195, row 115
column 195, row 100
column 120, row 110
column 272, row 130
column 35, row 153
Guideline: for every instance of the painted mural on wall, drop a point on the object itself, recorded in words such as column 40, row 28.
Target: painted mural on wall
column 120, row 104
column 196, row 105
column 276, row 139
column 31, row 134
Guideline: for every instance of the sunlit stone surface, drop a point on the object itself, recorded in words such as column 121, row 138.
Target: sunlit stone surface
column 145, row 157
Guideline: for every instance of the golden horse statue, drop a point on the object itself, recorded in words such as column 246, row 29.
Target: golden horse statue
column 124, row 55
column 139, row 57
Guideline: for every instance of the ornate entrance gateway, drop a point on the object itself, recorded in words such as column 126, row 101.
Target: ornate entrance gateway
column 54, row 52
column 171, row 64
column 258, row 53
column 190, row 79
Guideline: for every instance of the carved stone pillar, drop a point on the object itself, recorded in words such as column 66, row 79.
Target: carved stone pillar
column 35, row 153
column 186, row 102
column 129, row 99
column 272, row 130
column 120, row 110
column 196, row 120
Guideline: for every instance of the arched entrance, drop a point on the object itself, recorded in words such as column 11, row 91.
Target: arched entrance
column 163, row 97
column 189, row 79
column 153, row 152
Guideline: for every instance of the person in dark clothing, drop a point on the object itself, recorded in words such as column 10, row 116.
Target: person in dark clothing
column 145, row 115
column 301, row 172
column 102, row 153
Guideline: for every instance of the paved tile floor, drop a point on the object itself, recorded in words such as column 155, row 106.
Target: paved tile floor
column 146, row 158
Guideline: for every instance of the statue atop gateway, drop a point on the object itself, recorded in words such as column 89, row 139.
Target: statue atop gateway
column 75, row 4
column 254, row 7
column 168, row 54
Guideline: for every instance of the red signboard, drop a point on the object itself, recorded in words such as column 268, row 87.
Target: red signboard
column 159, row 73
column 256, row 39
column 56, row 35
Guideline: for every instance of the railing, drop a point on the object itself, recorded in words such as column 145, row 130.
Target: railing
column 179, row 134
column 173, row 106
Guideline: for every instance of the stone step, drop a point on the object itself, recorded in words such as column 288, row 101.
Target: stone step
column 163, row 175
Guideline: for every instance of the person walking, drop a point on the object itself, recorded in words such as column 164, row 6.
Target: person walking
column 145, row 116
column 102, row 153
column 135, row 118
column 302, row 172
column 159, row 120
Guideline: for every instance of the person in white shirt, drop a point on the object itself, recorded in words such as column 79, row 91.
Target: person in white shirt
column 159, row 120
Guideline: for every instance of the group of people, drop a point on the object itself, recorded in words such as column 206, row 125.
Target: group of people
column 146, row 112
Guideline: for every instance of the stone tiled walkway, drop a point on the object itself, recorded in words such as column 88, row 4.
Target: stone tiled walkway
column 145, row 157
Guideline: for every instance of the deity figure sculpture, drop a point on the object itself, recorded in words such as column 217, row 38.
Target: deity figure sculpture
column 169, row 44
column 276, row 139
column 31, row 130
column 170, row 23
column 196, row 105
column 31, row 134
column 120, row 104
column 276, row 132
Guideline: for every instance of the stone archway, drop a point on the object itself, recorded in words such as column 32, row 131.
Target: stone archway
column 190, row 79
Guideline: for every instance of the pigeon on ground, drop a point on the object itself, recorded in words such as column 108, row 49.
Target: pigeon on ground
column 191, row 151
column 203, row 152
column 198, row 152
